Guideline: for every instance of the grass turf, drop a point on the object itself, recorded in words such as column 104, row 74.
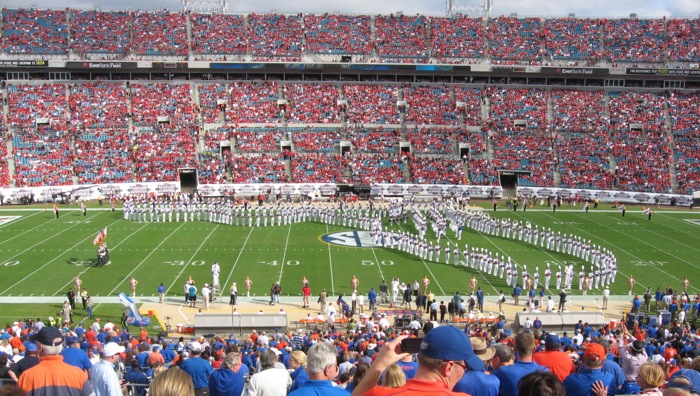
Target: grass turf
column 40, row 255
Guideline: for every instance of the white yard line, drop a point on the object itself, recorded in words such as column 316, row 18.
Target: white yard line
column 284, row 255
column 70, row 282
column 49, row 262
column 330, row 262
column 184, row 267
column 15, row 221
column 235, row 263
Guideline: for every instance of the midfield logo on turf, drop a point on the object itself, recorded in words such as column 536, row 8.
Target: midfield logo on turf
column 361, row 239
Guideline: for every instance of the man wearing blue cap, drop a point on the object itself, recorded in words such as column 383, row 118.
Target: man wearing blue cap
column 445, row 354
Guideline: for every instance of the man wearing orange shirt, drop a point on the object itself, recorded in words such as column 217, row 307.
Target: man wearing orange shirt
column 155, row 356
column 553, row 358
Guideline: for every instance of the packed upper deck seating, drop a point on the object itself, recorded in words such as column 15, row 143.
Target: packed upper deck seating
column 580, row 111
column 103, row 155
column 158, row 153
column 528, row 149
column 371, row 104
column 429, row 105
column 150, row 101
column 34, row 31
column 319, row 168
column 258, row 168
column 573, row 38
column 215, row 34
column 477, row 140
column 634, row 40
column 98, row 105
column 368, row 168
column 317, row 139
column 42, row 157
column 258, row 139
column 631, row 107
column 374, row 140
column 472, row 99
column 682, row 39
column 94, row 31
column 311, row 103
column 30, row 102
column 458, row 37
column 482, row 172
column 401, row 36
column 431, row 140
column 515, row 39
column 4, row 168
column 338, row 34
column 437, row 170
column 642, row 158
column 510, row 107
column 684, row 110
column 273, row 35
column 584, row 159
column 253, row 102
column 159, row 33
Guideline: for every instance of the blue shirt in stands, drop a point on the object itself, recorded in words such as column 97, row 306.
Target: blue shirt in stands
column 299, row 378
column 225, row 381
column 199, row 369
column 511, row 375
column 580, row 384
column 319, row 387
column 76, row 357
column 478, row 383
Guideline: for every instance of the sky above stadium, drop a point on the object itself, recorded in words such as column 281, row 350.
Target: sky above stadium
column 542, row 8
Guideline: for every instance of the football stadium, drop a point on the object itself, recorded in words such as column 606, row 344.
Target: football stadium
column 206, row 182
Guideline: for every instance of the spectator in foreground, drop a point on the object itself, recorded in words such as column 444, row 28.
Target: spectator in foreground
column 475, row 381
column 444, row 356
column 228, row 380
column 52, row 376
column 524, row 365
column 270, row 380
column 322, row 368
column 104, row 377
column 172, row 382
column 541, row 383
column 553, row 358
column 591, row 379
column 394, row 377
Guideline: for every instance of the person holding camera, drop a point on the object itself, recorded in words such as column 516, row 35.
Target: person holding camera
column 444, row 355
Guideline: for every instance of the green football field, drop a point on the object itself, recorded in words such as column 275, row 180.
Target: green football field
column 40, row 255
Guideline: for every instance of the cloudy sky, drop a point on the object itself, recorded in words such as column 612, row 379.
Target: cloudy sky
column 587, row 8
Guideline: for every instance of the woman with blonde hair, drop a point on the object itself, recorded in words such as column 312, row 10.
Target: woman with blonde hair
column 394, row 377
column 297, row 362
column 651, row 378
column 172, row 382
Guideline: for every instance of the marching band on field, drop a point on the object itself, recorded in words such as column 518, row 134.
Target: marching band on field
column 437, row 214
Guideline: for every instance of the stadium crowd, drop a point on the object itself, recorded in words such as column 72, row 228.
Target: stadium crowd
column 159, row 34
column 364, row 352
column 601, row 139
